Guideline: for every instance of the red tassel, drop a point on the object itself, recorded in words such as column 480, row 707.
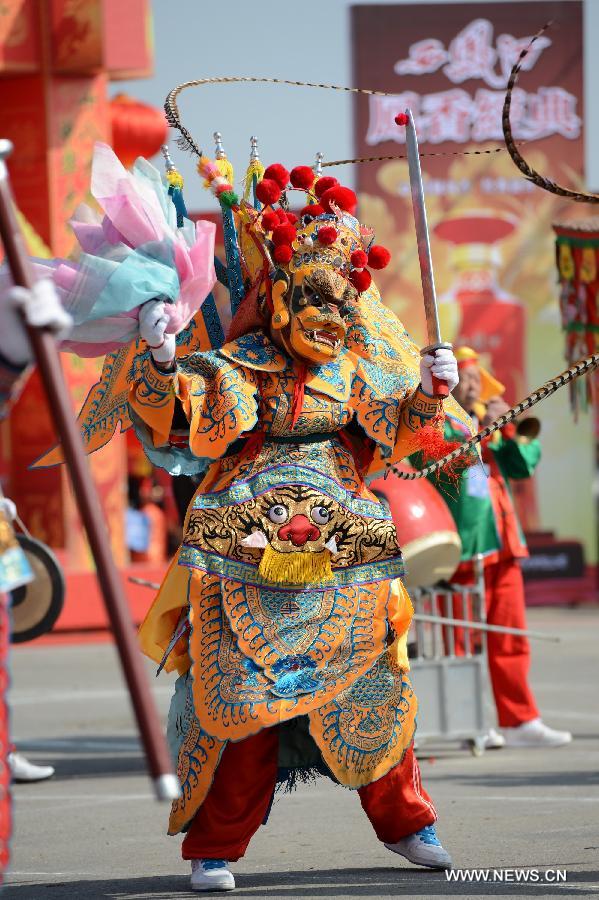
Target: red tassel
column 431, row 442
column 297, row 404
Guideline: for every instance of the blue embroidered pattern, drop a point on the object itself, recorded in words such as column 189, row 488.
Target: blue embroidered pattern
column 255, row 350
column 268, row 478
column 363, row 726
column 226, row 699
column 333, row 374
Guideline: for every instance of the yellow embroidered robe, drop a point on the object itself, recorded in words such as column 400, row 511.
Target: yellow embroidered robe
column 262, row 651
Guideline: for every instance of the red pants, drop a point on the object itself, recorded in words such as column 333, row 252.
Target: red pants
column 397, row 804
column 509, row 654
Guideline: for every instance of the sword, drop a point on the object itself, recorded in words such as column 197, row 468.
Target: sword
column 424, row 253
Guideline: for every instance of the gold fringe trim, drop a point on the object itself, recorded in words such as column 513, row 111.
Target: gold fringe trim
column 295, row 568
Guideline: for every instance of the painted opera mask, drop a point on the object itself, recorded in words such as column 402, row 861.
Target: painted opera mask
column 310, row 305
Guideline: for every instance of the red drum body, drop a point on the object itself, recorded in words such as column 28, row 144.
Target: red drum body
column 426, row 531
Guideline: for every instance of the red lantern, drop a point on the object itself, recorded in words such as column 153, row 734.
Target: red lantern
column 137, row 129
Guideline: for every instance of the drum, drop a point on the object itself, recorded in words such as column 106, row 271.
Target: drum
column 426, row 531
column 36, row 606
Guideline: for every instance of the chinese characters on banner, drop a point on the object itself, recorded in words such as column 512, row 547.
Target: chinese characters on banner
column 492, row 241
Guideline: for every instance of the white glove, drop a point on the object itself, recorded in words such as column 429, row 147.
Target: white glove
column 41, row 307
column 152, row 324
column 443, row 365
column 8, row 508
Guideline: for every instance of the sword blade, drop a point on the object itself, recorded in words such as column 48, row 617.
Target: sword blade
column 422, row 236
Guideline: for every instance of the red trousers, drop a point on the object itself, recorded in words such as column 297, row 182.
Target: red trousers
column 509, row 654
column 243, row 786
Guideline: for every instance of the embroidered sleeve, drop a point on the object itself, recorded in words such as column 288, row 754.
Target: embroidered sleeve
column 217, row 397
column 418, row 411
column 152, row 396
column 392, row 408
column 220, row 401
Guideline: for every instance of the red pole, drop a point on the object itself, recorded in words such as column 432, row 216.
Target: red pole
column 48, row 361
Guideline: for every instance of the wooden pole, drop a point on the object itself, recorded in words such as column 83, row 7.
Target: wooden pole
column 48, row 361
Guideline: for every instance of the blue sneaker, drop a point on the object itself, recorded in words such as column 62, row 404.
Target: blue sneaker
column 211, row 875
column 423, row 848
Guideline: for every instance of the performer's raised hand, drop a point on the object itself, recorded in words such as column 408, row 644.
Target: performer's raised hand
column 41, row 308
column 153, row 320
column 495, row 407
column 443, row 365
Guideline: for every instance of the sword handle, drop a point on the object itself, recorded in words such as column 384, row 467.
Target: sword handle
column 440, row 388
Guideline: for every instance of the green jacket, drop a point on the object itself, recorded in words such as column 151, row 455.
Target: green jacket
column 481, row 502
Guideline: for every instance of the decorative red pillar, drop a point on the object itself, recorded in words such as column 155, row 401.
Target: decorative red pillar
column 56, row 59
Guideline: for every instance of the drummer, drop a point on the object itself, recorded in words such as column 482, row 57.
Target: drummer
column 484, row 512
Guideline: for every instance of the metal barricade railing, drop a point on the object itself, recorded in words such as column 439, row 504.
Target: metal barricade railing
column 449, row 660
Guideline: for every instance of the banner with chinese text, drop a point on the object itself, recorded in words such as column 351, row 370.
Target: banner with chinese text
column 492, row 242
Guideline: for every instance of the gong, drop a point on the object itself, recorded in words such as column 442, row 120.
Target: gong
column 36, row 606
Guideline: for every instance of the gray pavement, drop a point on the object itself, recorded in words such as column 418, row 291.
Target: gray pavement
column 94, row 831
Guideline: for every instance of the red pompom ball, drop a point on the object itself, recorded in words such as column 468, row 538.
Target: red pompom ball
column 268, row 191
column 313, row 209
column 282, row 253
column 283, row 234
column 292, row 218
column 323, row 184
column 342, row 197
column 401, row 119
column 302, row 177
column 282, row 215
column 378, row 257
column 327, row 235
column 278, row 173
column 270, row 220
column 358, row 259
column 361, row 280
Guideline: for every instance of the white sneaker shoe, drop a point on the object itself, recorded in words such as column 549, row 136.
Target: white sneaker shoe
column 423, row 848
column 535, row 734
column 211, row 875
column 493, row 740
column 22, row 770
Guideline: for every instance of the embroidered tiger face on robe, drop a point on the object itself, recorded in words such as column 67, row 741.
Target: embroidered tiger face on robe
column 295, row 534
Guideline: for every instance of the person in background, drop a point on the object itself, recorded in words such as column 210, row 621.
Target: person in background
column 146, row 522
column 39, row 307
column 484, row 512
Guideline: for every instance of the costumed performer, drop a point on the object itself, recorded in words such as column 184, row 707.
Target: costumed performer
column 283, row 610
column 287, row 584
column 483, row 508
